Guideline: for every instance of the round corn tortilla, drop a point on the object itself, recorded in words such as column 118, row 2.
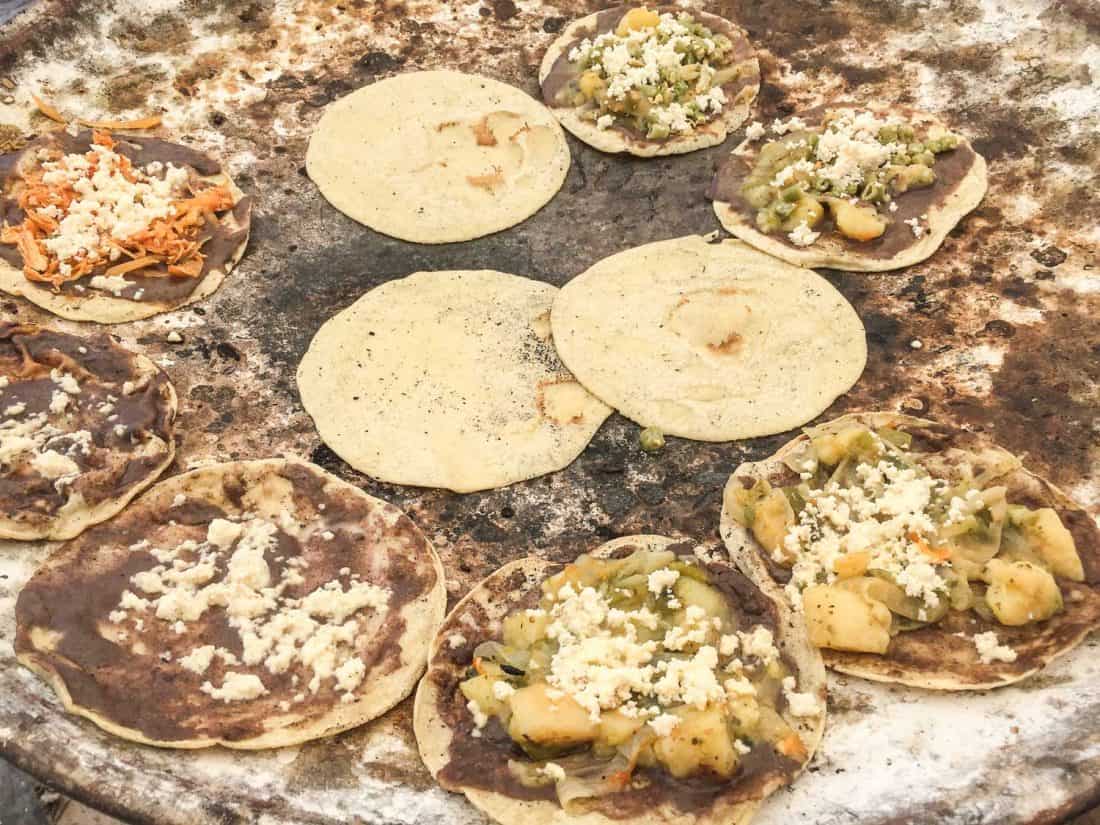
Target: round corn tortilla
column 936, row 657
column 711, row 341
column 448, row 379
column 133, row 673
column 120, row 440
column 945, row 203
column 479, row 616
column 437, row 157
column 741, row 93
column 103, row 307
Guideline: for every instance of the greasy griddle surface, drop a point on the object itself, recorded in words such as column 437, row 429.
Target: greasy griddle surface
column 1007, row 314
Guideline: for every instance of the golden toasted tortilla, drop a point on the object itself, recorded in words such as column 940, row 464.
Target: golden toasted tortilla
column 960, row 186
column 140, row 293
column 464, row 760
column 555, row 73
column 254, row 604
column 944, row 655
column 85, row 425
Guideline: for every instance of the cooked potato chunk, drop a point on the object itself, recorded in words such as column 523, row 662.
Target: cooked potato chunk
column 616, row 727
column 635, row 19
column 861, row 223
column 852, row 564
column 693, row 592
column 831, row 448
column 700, row 742
column 1055, row 545
column 590, row 84
column 556, row 722
column 1021, row 592
column 480, row 691
column 523, row 629
column 771, row 520
column 845, row 620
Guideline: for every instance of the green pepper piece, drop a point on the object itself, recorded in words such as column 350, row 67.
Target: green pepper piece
column 792, row 194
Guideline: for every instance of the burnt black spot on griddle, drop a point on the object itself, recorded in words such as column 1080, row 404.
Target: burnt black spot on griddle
column 1000, row 329
column 553, row 25
column 504, row 9
column 1049, row 256
column 228, row 351
column 377, row 62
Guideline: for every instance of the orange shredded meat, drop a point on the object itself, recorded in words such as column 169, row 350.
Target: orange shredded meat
column 173, row 242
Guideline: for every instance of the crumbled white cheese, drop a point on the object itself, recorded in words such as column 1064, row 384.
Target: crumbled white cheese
column 802, row 235
column 237, row 687
column 15, row 409
column 455, row 641
column 991, row 650
column 914, row 225
column 502, row 690
column 660, row 580
column 755, row 130
column 198, row 660
column 663, row 725
column 800, row 704
column 553, row 771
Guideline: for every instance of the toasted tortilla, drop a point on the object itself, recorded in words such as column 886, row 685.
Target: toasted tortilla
column 134, row 675
column 158, row 294
column 960, row 186
column 119, row 446
column 936, row 657
column 711, row 341
column 741, row 93
column 438, row 157
column 448, row 379
column 441, row 723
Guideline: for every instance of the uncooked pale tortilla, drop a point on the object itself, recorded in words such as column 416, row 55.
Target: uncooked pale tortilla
column 442, row 734
column 435, row 157
column 144, row 292
column 708, row 341
column 943, row 655
column 960, row 186
column 153, row 625
column 85, row 425
column 448, row 379
column 555, row 70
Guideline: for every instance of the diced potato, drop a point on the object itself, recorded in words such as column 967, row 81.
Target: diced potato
column 959, row 593
column 861, row 223
column 641, row 18
column 808, row 210
column 1020, row 592
column 617, row 728
column 831, row 448
column 744, row 711
column 523, row 630
column 692, row 592
column 479, row 690
column 701, row 742
column 771, row 520
column 1055, row 545
column 845, row 620
column 590, row 83
column 557, row 722
column 852, row 564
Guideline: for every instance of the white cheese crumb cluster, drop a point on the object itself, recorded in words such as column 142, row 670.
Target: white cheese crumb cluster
column 31, row 440
column 113, row 202
column 318, row 631
column 991, row 650
column 886, row 514
column 647, row 57
column 602, row 664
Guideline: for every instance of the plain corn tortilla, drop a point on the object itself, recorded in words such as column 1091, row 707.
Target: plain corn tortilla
column 436, row 157
column 943, row 655
column 483, row 610
column 708, row 341
column 448, row 379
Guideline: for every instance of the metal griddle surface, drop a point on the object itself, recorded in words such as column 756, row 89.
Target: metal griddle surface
column 1007, row 313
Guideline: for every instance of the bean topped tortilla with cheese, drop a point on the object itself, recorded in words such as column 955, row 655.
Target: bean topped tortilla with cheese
column 640, row 682
column 863, row 188
column 650, row 81
column 917, row 553
column 253, row 604
column 85, row 425
column 105, row 228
